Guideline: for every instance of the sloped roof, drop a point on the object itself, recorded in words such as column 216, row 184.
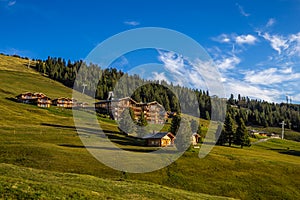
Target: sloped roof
column 158, row 135
column 130, row 99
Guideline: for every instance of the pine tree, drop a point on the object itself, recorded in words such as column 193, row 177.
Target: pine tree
column 242, row 137
column 220, row 134
column 142, row 123
column 175, row 124
column 228, row 129
column 126, row 125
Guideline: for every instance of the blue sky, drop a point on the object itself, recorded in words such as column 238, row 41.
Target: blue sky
column 255, row 44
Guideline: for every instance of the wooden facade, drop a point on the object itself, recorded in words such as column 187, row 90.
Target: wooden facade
column 30, row 97
column 39, row 99
column 161, row 139
column 65, row 102
column 44, row 102
column 153, row 111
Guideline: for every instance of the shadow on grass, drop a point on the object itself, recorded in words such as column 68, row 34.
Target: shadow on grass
column 286, row 151
column 137, row 149
column 114, row 136
column 83, row 129
column 12, row 99
column 291, row 152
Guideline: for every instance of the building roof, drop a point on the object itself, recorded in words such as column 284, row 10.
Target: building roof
column 130, row 99
column 159, row 135
column 65, row 98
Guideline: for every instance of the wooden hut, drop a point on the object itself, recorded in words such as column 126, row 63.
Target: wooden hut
column 160, row 139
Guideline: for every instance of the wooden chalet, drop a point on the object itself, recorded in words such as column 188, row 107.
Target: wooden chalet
column 30, row 97
column 39, row 99
column 65, row 102
column 153, row 111
column 44, row 102
column 160, row 139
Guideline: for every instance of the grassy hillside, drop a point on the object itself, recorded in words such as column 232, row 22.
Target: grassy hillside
column 46, row 139
column 288, row 133
column 28, row 183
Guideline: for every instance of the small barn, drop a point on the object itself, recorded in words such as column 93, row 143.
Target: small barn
column 160, row 139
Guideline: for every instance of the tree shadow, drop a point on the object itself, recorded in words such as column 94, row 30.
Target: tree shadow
column 291, row 152
column 113, row 136
column 286, row 151
column 142, row 150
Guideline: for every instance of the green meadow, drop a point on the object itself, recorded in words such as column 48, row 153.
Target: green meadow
column 42, row 156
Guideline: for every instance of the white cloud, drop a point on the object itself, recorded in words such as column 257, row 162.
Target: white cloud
column 173, row 62
column 233, row 38
column 271, row 22
column 294, row 42
column 256, row 92
column 223, row 38
column 132, row 23
column 271, row 76
column 160, row 76
column 278, row 43
column 227, row 63
column 11, row 3
column 286, row 70
column 191, row 73
column 242, row 11
column 245, row 39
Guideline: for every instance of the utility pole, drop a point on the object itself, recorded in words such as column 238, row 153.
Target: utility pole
column 28, row 63
column 282, row 129
column 83, row 85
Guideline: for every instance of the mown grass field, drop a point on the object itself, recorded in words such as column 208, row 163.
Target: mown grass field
column 28, row 183
column 42, row 155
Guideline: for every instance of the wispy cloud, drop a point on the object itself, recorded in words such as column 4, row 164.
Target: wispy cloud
column 284, row 44
column 243, row 88
column 223, row 38
column 190, row 73
column 228, row 63
column 160, row 76
column 277, row 42
column 271, row 76
column 242, row 11
column 271, row 22
column 132, row 23
column 294, row 42
column 11, row 3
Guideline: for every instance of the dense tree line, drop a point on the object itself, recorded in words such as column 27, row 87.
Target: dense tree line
column 252, row 112
column 111, row 79
column 262, row 113
column 232, row 135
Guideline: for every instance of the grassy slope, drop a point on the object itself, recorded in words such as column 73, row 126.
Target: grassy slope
column 288, row 133
column 28, row 183
column 46, row 139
